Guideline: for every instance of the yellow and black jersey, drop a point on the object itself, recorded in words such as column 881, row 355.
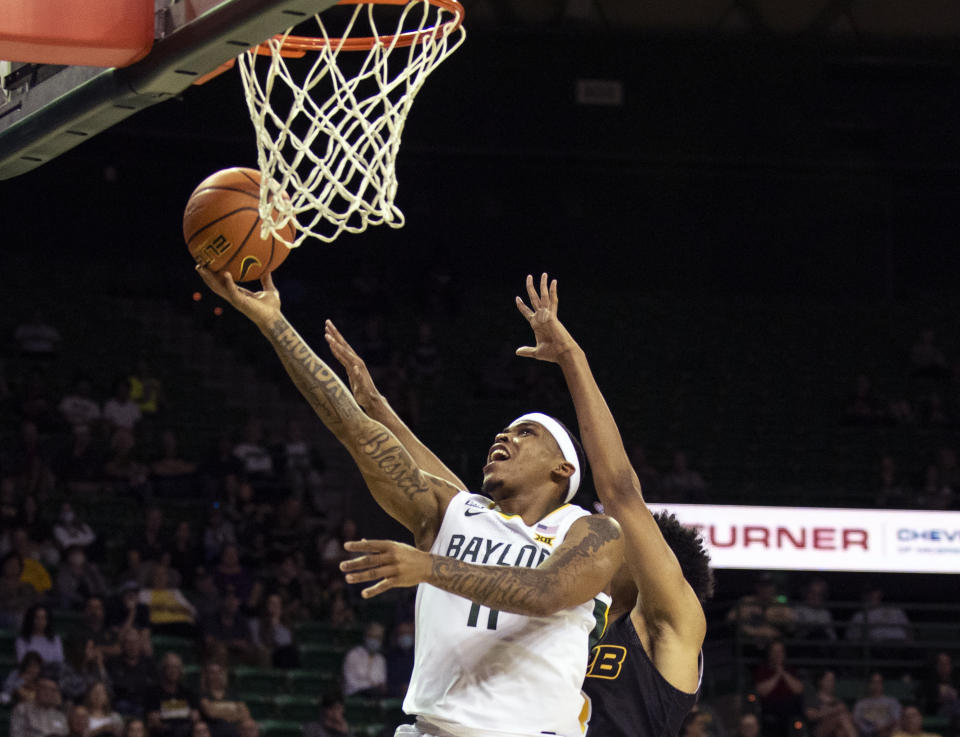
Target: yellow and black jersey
column 626, row 695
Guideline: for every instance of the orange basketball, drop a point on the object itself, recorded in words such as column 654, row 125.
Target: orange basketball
column 221, row 225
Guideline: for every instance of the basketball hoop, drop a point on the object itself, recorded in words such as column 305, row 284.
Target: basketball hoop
column 328, row 132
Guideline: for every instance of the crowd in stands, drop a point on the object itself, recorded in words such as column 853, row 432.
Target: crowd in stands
column 801, row 652
column 234, row 554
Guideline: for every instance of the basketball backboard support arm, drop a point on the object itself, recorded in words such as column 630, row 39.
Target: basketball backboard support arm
column 44, row 116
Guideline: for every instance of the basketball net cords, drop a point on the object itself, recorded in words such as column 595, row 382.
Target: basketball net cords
column 359, row 150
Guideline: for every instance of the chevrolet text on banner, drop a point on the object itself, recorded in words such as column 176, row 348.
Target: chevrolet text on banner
column 825, row 539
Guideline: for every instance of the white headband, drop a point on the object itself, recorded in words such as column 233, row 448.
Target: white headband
column 563, row 440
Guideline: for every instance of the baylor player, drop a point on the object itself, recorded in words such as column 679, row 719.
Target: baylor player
column 644, row 675
column 473, row 666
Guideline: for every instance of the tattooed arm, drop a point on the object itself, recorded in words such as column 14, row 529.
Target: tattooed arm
column 575, row 572
column 406, row 492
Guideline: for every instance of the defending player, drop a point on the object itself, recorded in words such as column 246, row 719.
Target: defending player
column 477, row 671
column 644, row 675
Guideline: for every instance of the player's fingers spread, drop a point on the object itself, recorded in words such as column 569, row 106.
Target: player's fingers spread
column 524, row 310
column 532, row 293
column 266, row 282
column 527, row 352
column 553, row 294
column 376, row 589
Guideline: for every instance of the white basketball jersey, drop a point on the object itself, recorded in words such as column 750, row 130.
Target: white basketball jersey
column 480, row 671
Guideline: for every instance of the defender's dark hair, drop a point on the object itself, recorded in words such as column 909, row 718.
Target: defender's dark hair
column 687, row 544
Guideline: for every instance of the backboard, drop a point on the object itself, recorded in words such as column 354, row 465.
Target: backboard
column 45, row 110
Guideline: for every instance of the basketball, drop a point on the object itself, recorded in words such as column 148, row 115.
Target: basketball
column 221, row 225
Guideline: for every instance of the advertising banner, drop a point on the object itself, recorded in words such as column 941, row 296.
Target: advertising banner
column 825, row 539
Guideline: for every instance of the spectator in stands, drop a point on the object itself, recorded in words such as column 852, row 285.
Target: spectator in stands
column 34, row 572
column 128, row 613
column 230, row 629
column 892, row 493
column 290, row 530
column 876, row 714
column 78, row 720
column 16, row 596
column 174, row 475
column 286, row 582
column 219, row 707
column 43, row 716
column 748, row 725
column 32, row 463
column 333, row 551
column 230, row 573
column 151, row 539
column 812, row 619
column 763, row 616
column 779, row 690
column 185, row 556
column 826, row 714
column 218, row 534
column 400, row 660
column 80, row 410
column 37, row 634
column 103, row 719
column 37, row 339
column 256, row 461
column 171, row 613
column 364, row 666
column 124, row 470
column 337, row 607
column 941, row 688
column 300, row 464
column 20, row 684
column 272, row 637
column 926, row 358
column 248, row 728
column 911, row 724
column 132, row 673
column 333, row 719
column 30, row 518
column 879, row 623
column 120, row 412
column 83, row 667
column 135, row 728
column 94, row 627
column 200, row 729
column 78, row 579
column 70, row 531
column 220, row 468
column 681, row 483
column 81, row 467
column 170, row 706
column 205, row 596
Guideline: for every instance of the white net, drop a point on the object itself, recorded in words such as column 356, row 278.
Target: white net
column 328, row 127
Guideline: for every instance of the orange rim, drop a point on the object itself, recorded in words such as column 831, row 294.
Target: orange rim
column 297, row 46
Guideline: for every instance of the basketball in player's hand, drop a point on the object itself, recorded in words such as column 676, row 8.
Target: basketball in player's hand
column 221, row 225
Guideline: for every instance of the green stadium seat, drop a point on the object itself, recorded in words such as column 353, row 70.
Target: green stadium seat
column 322, row 656
column 369, row 729
column 191, row 676
column 259, row 680
column 261, row 705
column 297, row 708
column 361, row 709
column 277, row 728
column 312, row 683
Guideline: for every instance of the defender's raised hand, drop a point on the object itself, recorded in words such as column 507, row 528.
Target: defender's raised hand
column 552, row 337
column 261, row 307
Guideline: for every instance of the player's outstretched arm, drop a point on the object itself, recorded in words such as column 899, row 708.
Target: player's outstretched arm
column 376, row 405
column 577, row 571
column 666, row 599
column 406, row 492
